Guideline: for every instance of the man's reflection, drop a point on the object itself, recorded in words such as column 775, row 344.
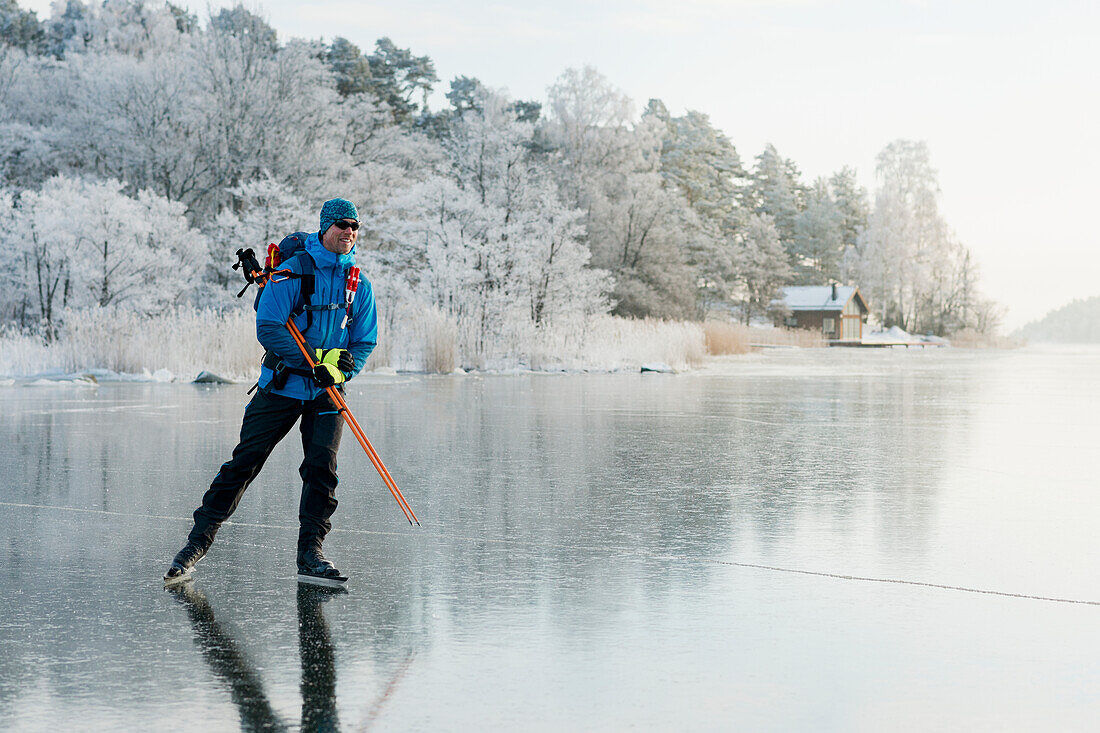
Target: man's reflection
column 245, row 686
column 318, row 659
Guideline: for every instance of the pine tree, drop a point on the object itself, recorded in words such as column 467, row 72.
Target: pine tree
column 398, row 78
column 349, row 66
column 248, row 28
column 818, row 241
column 775, row 190
column 851, row 202
column 20, row 28
column 701, row 162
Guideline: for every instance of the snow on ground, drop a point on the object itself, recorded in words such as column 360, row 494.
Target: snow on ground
column 90, row 377
column 897, row 335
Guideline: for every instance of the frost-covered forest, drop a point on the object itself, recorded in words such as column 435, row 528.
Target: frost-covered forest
column 141, row 146
column 1076, row 322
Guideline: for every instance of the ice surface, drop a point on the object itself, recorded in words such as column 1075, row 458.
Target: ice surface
column 599, row 552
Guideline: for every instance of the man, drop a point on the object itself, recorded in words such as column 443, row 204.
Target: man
column 343, row 336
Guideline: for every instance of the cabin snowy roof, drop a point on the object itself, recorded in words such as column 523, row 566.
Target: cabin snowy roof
column 819, row 297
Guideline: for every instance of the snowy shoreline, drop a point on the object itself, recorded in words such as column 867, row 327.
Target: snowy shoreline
column 180, row 344
column 95, row 377
column 187, row 345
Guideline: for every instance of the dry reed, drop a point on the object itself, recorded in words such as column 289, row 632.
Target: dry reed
column 723, row 337
column 440, row 339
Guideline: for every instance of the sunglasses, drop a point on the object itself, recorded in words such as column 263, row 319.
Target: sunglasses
column 346, row 224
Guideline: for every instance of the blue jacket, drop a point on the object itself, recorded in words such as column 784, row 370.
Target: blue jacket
column 282, row 294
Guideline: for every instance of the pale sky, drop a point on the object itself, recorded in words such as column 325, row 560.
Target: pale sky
column 1005, row 93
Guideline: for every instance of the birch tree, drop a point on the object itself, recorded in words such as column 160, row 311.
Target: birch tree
column 907, row 239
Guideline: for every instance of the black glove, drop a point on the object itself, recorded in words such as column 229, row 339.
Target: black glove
column 326, row 375
column 340, row 358
column 345, row 362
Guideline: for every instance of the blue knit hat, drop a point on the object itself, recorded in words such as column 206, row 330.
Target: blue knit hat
column 335, row 209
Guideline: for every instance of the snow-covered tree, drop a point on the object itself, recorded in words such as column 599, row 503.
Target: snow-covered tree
column 762, row 266
column 398, row 78
column 64, row 27
column 703, row 165
column 851, row 202
column 249, row 29
column 131, row 27
column 259, row 114
column 43, row 244
column 638, row 227
column 20, row 28
column 487, row 242
column 430, row 234
column 27, row 142
column 818, row 238
column 84, row 243
column 217, row 110
column 374, row 158
column 588, row 129
column 261, row 212
column 132, row 119
column 349, row 66
column 918, row 275
column 15, row 292
column 561, row 286
column 907, row 238
column 636, row 231
column 776, row 190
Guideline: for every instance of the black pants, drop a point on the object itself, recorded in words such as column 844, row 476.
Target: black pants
column 267, row 420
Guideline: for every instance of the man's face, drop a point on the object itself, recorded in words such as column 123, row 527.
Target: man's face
column 340, row 237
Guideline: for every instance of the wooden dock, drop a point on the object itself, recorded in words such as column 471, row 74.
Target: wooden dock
column 884, row 344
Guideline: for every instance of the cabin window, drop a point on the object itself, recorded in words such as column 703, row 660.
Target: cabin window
column 828, row 325
column 792, row 322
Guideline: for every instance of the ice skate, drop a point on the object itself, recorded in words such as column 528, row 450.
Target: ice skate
column 183, row 565
column 315, row 569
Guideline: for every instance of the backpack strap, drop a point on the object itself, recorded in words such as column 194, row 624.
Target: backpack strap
column 307, row 277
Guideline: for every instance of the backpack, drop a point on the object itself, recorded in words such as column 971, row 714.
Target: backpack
column 294, row 245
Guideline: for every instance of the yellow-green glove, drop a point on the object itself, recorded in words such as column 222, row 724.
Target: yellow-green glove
column 327, row 372
column 341, row 358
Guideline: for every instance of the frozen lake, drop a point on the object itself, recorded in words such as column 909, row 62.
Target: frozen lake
column 797, row 540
